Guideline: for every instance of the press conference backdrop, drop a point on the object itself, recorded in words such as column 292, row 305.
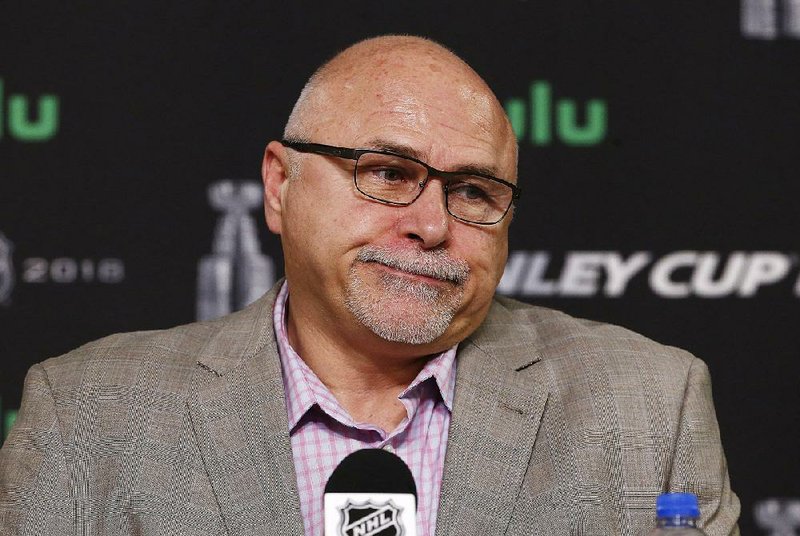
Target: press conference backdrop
column 658, row 156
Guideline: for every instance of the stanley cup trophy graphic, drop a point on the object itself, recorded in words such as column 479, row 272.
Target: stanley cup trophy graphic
column 236, row 273
column 770, row 19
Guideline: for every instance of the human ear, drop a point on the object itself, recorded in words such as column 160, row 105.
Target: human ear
column 274, row 169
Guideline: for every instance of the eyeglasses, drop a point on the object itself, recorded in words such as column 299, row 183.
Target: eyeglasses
column 399, row 180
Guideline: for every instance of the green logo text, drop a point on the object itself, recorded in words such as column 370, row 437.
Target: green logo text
column 22, row 124
column 540, row 117
column 7, row 419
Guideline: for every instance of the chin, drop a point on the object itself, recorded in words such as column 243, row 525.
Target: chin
column 399, row 309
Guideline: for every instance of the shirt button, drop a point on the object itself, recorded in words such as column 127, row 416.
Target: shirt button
column 388, row 448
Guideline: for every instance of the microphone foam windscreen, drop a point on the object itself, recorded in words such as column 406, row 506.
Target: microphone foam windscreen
column 372, row 471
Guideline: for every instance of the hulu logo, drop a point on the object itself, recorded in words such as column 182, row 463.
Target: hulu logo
column 541, row 118
column 21, row 126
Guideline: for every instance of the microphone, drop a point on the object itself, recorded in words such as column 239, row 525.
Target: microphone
column 371, row 493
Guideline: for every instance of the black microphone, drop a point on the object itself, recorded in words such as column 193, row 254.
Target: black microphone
column 371, row 493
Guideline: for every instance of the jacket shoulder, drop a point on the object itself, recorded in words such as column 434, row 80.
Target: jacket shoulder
column 560, row 337
column 121, row 357
column 176, row 351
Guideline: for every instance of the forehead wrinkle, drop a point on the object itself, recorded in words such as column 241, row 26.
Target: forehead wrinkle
column 419, row 115
column 405, row 114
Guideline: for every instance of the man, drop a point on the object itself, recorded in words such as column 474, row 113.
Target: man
column 392, row 192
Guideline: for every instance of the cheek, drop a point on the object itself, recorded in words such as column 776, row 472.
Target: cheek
column 487, row 258
column 315, row 207
column 501, row 256
column 353, row 224
column 486, row 253
column 330, row 231
column 353, row 217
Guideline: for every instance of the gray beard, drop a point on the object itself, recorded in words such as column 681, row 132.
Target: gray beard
column 401, row 310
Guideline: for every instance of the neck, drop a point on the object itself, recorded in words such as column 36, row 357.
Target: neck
column 366, row 379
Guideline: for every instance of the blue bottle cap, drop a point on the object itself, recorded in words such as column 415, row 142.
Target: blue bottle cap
column 677, row 504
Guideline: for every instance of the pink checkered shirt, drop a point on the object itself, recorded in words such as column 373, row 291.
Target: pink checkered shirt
column 323, row 433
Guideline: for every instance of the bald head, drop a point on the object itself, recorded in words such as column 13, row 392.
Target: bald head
column 397, row 73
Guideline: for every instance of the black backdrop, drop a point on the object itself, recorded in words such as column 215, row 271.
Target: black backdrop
column 681, row 159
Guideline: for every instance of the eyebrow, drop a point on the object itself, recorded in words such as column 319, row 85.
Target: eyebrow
column 406, row 150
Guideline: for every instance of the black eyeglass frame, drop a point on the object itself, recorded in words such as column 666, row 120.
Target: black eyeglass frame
column 355, row 154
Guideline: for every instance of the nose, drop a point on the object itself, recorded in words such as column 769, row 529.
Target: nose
column 426, row 220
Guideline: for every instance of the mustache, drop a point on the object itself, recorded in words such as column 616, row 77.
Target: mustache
column 436, row 264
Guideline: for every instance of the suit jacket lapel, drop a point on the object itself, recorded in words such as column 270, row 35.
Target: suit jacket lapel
column 499, row 400
column 239, row 418
column 238, row 413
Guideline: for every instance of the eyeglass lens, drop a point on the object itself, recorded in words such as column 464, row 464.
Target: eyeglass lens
column 395, row 179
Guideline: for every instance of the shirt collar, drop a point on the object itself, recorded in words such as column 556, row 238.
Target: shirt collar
column 304, row 389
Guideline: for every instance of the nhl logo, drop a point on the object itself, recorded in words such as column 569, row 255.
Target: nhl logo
column 6, row 269
column 371, row 519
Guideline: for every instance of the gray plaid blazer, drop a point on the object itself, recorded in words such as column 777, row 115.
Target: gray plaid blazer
column 560, row 426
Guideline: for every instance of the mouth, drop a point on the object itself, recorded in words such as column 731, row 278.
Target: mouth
column 429, row 267
column 424, row 277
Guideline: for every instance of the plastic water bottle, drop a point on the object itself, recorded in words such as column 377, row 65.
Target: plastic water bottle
column 677, row 515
